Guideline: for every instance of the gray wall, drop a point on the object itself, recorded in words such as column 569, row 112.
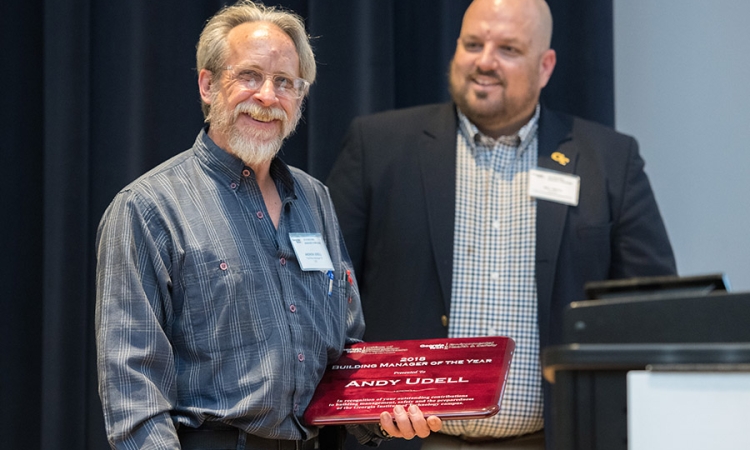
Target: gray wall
column 681, row 88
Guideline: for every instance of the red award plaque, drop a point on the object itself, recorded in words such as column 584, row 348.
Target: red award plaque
column 460, row 378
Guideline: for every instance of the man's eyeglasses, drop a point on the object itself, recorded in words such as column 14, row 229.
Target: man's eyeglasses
column 284, row 85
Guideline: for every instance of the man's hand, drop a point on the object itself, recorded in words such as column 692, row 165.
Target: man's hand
column 407, row 424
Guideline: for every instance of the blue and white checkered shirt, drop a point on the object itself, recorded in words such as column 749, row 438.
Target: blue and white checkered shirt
column 494, row 287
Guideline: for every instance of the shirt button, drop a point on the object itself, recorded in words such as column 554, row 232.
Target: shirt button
column 301, row 357
column 496, row 224
column 282, row 261
column 495, row 276
column 223, row 266
column 444, row 320
column 259, row 214
column 233, row 185
column 296, row 407
column 246, row 173
column 292, row 308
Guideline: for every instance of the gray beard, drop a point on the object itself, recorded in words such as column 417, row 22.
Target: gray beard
column 252, row 150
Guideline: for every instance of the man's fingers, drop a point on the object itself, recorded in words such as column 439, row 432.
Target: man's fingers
column 403, row 422
column 409, row 423
column 418, row 422
column 386, row 423
column 434, row 423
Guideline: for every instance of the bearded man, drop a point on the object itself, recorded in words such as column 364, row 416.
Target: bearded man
column 213, row 328
column 486, row 215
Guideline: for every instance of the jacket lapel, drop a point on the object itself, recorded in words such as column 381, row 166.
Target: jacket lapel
column 437, row 161
column 436, row 148
column 554, row 131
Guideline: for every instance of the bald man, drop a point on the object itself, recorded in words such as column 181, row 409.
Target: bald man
column 486, row 215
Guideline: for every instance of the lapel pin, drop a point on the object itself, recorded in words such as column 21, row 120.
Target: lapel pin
column 560, row 158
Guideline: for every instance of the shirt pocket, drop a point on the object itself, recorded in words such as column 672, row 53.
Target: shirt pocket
column 328, row 308
column 226, row 306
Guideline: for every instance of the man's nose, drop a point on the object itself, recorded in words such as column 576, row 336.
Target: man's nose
column 487, row 60
column 266, row 94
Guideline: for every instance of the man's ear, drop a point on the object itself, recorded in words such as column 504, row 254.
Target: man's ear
column 205, row 78
column 547, row 66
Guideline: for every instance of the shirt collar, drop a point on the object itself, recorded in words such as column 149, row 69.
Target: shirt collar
column 227, row 164
column 520, row 139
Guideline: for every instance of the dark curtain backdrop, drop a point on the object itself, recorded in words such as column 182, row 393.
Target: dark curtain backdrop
column 95, row 93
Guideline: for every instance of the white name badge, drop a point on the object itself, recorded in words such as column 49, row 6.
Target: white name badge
column 311, row 251
column 554, row 186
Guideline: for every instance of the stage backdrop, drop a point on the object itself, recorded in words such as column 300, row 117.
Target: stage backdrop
column 96, row 93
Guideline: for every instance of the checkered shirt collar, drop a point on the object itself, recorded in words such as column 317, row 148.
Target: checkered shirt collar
column 477, row 140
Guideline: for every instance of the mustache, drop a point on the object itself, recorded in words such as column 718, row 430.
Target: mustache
column 488, row 73
column 261, row 113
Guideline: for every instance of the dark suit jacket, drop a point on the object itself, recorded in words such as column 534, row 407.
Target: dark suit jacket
column 393, row 187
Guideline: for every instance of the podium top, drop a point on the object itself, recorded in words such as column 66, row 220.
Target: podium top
column 708, row 357
column 662, row 286
column 716, row 317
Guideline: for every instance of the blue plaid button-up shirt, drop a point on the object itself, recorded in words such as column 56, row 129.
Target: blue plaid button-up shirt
column 203, row 312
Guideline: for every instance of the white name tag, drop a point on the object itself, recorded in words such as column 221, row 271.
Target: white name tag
column 311, row 251
column 554, row 186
